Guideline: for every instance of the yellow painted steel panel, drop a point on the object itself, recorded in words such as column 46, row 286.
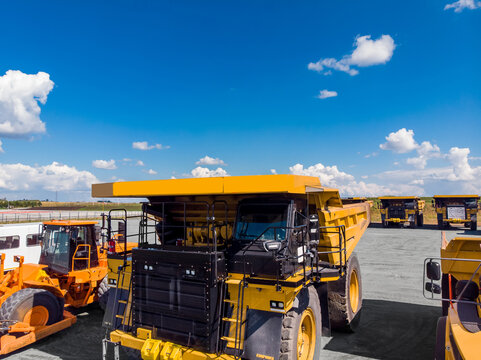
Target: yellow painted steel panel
column 269, row 184
column 455, row 196
column 208, row 186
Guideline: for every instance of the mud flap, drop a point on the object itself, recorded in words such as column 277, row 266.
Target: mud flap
column 263, row 335
column 322, row 290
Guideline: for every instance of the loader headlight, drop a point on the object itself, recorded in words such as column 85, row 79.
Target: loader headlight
column 278, row 305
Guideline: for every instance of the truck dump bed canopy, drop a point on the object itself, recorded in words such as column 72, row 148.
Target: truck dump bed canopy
column 258, row 184
column 399, row 198
column 455, row 196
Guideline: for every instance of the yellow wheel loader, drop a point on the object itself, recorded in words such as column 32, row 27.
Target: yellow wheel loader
column 71, row 272
column 454, row 278
column 251, row 267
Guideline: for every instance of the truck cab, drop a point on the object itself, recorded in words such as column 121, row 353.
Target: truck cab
column 457, row 209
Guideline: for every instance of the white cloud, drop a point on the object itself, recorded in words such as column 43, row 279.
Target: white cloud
column 206, row 172
column 139, row 163
column 19, row 97
column 151, row 172
column 372, row 52
column 53, row 177
column 401, row 141
column 458, row 157
column 1, row 149
column 144, row 145
column 460, row 5
column 324, row 94
column 104, row 164
column 273, row 172
column 367, row 52
column 207, row 160
column 331, row 176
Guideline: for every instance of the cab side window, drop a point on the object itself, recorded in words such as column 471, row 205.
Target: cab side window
column 9, row 242
column 33, row 239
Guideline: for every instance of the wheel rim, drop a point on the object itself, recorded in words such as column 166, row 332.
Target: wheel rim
column 36, row 316
column 306, row 338
column 354, row 291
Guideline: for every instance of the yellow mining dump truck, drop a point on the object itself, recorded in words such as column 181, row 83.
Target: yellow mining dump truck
column 401, row 210
column 456, row 276
column 457, row 209
column 251, row 267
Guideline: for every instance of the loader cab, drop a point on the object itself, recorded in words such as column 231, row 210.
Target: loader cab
column 69, row 246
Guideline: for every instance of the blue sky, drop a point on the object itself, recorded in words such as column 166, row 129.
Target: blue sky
column 230, row 80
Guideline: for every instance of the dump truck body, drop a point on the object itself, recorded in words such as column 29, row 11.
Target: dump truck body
column 401, row 210
column 223, row 264
column 456, row 276
column 457, row 209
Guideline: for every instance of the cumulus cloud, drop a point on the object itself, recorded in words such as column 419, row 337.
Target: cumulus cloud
column 367, row 52
column 273, row 172
column 151, row 172
column 53, row 177
column 104, row 164
column 460, row 5
column 401, row 141
column 20, row 95
column 206, row 172
column 139, row 163
column 207, row 160
column 144, row 145
column 324, row 94
column 331, row 176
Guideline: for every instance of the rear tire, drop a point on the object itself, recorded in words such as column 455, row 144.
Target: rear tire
column 103, row 293
column 440, row 350
column 301, row 328
column 420, row 220
column 474, row 224
column 34, row 306
column 345, row 298
column 440, row 221
column 132, row 354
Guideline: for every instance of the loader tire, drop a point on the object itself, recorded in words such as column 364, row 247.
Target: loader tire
column 440, row 350
column 103, row 293
column 345, row 298
column 440, row 221
column 34, row 306
column 301, row 328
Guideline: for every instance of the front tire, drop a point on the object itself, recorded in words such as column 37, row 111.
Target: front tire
column 103, row 293
column 345, row 298
column 420, row 220
column 301, row 328
column 36, row 307
column 440, row 350
column 474, row 223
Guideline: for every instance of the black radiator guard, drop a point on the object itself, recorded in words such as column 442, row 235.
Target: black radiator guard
column 176, row 305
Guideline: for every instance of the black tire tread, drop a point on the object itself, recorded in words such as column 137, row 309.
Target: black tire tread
column 13, row 301
column 103, row 293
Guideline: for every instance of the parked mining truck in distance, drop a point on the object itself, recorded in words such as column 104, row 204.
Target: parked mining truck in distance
column 71, row 273
column 457, row 209
column 454, row 278
column 401, row 210
column 251, row 267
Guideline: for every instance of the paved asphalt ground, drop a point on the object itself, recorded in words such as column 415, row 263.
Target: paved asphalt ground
column 396, row 322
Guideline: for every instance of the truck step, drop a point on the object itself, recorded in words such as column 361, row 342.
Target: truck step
column 233, row 281
column 226, row 338
column 229, row 301
column 230, row 320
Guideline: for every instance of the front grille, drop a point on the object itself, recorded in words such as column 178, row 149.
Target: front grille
column 176, row 295
column 396, row 212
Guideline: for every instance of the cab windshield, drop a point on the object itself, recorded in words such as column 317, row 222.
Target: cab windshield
column 59, row 244
column 261, row 221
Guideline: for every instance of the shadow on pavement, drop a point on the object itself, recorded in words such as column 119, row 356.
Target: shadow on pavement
column 391, row 330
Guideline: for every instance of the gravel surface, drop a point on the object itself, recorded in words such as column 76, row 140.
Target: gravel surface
column 396, row 323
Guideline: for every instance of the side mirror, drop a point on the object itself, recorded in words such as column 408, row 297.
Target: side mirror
column 433, row 270
column 433, row 288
